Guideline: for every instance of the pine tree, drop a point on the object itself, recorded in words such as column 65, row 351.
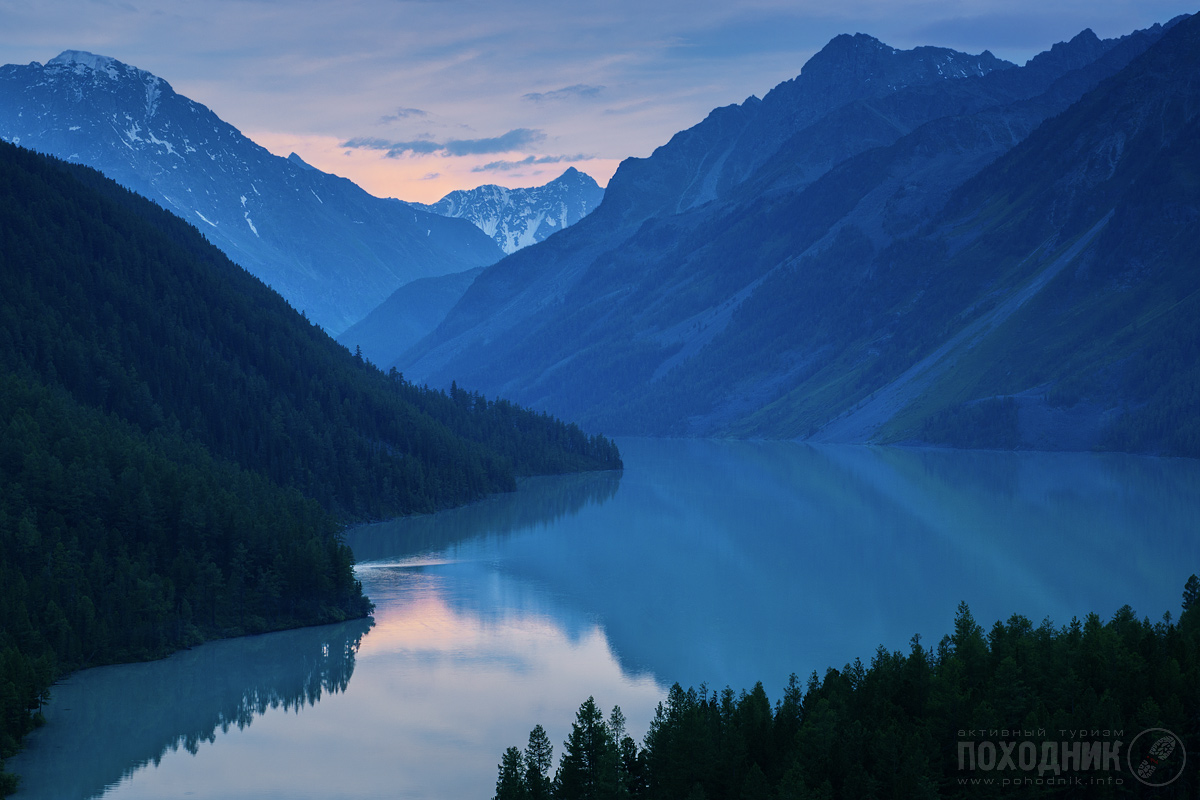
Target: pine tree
column 1191, row 592
column 589, row 765
column 510, row 784
column 539, row 756
column 616, row 729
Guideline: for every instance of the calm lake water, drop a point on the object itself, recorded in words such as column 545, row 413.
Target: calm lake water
column 716, row 562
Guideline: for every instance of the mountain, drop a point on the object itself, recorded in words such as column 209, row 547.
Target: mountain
column 407, row 316
column 332, row 250
column 130, row 310
column 851, row 79
column 1078, row 248
column 514, row 218
column 180, row 447
column 778, row 267
column 517, row 218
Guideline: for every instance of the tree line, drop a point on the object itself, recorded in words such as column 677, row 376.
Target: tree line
column 935, row 722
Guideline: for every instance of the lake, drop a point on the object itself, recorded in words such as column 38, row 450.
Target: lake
column 712, row 562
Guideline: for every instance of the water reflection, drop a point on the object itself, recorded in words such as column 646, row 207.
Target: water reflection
column 731, row 562
column 541, row 500
column 740, row 561
column 436, row 696
column 104, row 724
column 716, row 562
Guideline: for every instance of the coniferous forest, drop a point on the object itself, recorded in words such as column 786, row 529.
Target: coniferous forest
column 1017, row 711
column 179, row 448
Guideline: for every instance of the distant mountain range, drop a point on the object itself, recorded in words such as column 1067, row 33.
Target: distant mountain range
column 918, row 246
column 332, row 250
column 517, row 218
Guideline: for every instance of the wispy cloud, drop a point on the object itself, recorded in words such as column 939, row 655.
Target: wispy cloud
column 393, row 149
column 612, row 79
column 505, row 166
column 515, row 139
column 404, row 113
column 566, row 93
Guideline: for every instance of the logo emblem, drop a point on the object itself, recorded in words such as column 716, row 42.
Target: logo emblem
column 1156, row 756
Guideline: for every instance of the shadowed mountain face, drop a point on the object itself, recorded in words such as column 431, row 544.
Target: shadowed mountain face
column 332, row 250
column 407, row 316
column 849, row 257
column 514, row 218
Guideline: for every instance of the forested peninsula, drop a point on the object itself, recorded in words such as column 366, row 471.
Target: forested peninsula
column 179, row 448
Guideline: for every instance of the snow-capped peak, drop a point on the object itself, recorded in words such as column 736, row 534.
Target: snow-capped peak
column 86, row 59
column 517, row 218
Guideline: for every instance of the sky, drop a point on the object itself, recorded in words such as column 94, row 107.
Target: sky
column 415, row 98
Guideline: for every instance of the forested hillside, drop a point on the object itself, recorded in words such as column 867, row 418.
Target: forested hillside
column 180, row 447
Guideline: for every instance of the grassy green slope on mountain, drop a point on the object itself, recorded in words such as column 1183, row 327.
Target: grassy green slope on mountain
column 686, row 258
column 712, row 299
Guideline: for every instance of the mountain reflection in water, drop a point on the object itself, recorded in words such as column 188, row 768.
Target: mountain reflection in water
column 728, row 562
column 103, row 724
column 712, row 562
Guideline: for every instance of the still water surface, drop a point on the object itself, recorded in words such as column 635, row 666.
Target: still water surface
column 716, row 562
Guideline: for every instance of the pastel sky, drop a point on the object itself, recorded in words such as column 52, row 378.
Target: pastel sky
column 413, row 98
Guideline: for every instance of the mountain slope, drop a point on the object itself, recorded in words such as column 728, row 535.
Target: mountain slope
column 328, row 247
column 702, row 163
column 1049, row 305
column 514, row 218
column 407, row 316
column 517, row 218
column 179, row 447
column 132, row 311
column 660, row 315
column 644, row 188
column 1110, row 344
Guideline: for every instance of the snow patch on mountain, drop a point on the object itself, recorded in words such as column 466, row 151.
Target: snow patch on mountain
column 337, row 255
column 517, row 218
column 82, row 61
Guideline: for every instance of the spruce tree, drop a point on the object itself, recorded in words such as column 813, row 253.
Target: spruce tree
column 539, row 756
column 589, row 765
column 510, row 783
column 1191, row 592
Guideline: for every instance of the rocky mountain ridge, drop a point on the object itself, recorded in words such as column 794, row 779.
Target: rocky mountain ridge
column 517, row 218
column 332, row 250
column 774, row 297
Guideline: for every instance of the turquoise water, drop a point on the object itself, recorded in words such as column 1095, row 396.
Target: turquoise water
column 716, row 562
